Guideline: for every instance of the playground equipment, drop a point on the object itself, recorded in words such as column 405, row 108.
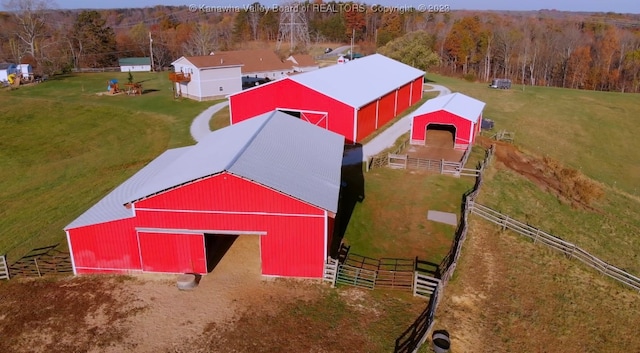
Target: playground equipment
column 112, row 86
column 14, row 80
column 134, row 89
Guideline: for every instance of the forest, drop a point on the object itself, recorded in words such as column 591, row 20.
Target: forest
column 595, row 51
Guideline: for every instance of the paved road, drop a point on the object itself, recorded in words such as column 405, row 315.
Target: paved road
column 336, row 52
column 389, row 136
column 200, row 125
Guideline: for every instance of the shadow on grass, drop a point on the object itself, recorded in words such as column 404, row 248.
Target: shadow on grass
column 351, row 193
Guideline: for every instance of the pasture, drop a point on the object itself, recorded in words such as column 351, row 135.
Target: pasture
column 63, row 147
column 509, row 293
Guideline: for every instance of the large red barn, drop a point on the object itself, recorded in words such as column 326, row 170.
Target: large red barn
column 273, row 176
column 352, row 99
column 460, row 114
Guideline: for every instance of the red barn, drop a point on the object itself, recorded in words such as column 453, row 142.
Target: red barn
column 353, row 99
column 460, row 114
column 273, row 176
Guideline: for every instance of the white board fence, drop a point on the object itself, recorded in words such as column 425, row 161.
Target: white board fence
column 4, row 269
column 554, row 242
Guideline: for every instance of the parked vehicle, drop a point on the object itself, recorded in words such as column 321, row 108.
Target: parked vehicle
column 501, row 83
column 487, row 124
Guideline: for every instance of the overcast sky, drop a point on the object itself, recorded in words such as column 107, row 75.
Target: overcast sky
column 620, row 6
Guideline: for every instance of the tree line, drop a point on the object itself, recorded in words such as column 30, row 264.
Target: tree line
column 551, row 48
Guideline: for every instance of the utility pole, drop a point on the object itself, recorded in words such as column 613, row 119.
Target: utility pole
column 151, row 50
column 353, row 34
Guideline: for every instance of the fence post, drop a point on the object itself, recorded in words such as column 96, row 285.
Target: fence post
column 37, row 267
column 442, row 166
column 536, row 238
column 3, row 264
column 504, row 223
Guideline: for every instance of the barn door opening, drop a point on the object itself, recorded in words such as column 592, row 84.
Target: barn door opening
column 216, row 246
column 292, row 113
column 316, row 118
column 230, row 256
column 440, row 136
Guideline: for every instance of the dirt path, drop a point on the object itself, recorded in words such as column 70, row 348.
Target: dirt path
column 466, row 301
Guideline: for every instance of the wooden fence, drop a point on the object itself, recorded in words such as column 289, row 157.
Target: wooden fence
column 554, row 242
column 4, row 269
column 424, row 286
column 503, row 135
column 42, row 261
column 384, row 273
column 403, row 161
column 416, row 334
column 96, row 69
column 331, row 271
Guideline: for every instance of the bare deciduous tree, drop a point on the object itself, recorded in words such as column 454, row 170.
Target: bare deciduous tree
column 31, row 20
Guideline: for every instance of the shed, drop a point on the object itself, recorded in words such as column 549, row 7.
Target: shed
column 353, row 99
column 135, row 64
column 26, row 70
column 272, row 177
column 456, row 112
column 7, row 69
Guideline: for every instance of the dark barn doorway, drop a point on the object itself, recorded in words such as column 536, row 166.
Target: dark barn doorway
column 293, row 113
column 216, row 246
column 440, row 135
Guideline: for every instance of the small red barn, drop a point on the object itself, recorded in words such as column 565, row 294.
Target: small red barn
column 273, row 176
column 460, row 114
column 353, row 99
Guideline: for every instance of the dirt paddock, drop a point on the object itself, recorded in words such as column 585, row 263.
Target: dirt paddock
column 141, row 313
column 439, row 145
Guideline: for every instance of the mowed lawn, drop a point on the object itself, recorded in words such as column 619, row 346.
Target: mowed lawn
column 391, row 221
column 63, row 147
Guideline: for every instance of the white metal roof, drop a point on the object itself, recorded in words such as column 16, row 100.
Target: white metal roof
column 274, row 149
column 454, row 103
column 359, row 81
column 111, row 207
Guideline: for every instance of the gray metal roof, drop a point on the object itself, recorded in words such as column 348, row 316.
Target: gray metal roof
column 111, row 208
column 274, row 149
column 359, row 81
column 454, row 103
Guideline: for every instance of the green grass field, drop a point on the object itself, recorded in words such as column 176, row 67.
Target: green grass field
column 594, row 132
column 392, row 220
column 63, row 147
column 585, row 130
column 509, row 293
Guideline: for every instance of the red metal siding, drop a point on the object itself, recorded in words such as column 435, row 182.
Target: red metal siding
column 366, row 121
column 110, row 246
column 404, row 100
column 172, row 253
column 386, row 109
column 416, row 93
column 317, row 119
column 227, row 192
column 294, row 240
column 286, row 93
column 420, row 122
